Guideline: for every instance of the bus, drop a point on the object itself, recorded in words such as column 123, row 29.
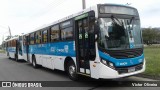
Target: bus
column 13, row 48
column 103, row 41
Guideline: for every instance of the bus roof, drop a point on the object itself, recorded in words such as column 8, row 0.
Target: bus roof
column 14, row 38
column 74, row 15
column 118, row 5
column 63, row 19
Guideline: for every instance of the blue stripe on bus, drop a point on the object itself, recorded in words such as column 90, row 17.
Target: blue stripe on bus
column 58, row 49
column 122, row 62
column 11, row 49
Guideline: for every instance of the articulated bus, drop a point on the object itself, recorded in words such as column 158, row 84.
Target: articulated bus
column 103, row 41
column 13, row 48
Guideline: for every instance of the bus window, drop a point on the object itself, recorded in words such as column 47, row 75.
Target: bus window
column 13, row 43
column 24, row 40
column 10, row 43
column 38, row 37
column 32, row 38
column 67, row 33
column 55, row 33
column 44, row 36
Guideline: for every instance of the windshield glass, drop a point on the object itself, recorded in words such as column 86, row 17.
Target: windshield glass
column 117, row 33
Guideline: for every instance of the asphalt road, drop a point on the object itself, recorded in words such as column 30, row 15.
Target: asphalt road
column 11, row 70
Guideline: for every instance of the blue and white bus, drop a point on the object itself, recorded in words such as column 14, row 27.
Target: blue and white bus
column 103, row 41
column 13, row 48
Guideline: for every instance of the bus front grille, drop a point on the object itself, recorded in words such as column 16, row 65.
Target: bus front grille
column 123, row 70
column 122, row 54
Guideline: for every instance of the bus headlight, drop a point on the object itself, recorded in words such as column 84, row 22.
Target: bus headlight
column 104, row 61
column 107, row 63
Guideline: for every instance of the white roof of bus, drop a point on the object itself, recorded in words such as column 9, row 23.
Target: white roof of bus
column 12, row 39
column 63, row 19
column 74, row 15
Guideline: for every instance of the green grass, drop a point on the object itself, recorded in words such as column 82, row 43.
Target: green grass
column 152, row 56
column 2, row 51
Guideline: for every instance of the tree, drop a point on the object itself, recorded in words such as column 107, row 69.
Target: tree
column 150, row 35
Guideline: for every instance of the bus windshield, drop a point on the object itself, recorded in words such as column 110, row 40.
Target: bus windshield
column 118, row 33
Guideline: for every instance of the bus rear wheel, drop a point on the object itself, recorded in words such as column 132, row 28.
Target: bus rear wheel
column 34, row 62
column 71, row 71
column 8, row 56
column 16, row 57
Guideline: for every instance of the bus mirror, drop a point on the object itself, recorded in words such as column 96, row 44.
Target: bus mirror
column 96, row 27
column 96, row 37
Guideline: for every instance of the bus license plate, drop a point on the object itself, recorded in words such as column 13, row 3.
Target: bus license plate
column 131, row 69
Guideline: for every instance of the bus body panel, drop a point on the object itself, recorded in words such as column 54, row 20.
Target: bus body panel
column 14, row 47
column 11, row 52
column 107, row 73
column 53, row 54
column 122, row 62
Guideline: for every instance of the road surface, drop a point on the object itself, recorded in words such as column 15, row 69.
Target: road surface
column 11, row 70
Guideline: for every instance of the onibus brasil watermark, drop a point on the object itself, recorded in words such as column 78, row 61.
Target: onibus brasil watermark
column 21, row 84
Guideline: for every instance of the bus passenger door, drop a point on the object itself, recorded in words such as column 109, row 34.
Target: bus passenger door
column 20, row 46
column 85, row 45
column 17, row 48
column 27, row 48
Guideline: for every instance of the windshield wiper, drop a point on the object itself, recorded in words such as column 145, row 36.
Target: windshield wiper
column 131, row 20
column 130, row 23
column 114, row 19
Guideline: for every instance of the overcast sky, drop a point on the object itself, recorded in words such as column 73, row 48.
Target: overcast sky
column 25, row 15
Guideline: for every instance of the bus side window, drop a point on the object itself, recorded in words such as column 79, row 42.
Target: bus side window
column 24, row 40
column 38, row 37
column 45, row 36
column 11, row 43
column 14, row 43
column 8, row 43
column 32, row 38
column 67, row 30
column 67, row 33
column 55, row 33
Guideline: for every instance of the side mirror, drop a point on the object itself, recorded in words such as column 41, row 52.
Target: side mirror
column 96, row 30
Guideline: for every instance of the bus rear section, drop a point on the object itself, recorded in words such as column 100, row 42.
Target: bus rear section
column 14, row 48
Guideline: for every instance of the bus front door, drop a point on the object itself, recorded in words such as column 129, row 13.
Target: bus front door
column 85, row 45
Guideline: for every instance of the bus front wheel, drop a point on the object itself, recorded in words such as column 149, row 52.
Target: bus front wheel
column 71, row 70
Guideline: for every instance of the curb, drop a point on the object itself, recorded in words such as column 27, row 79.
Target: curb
column 148, row 76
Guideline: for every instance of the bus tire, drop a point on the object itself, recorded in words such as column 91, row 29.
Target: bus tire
column 9, row 56
column 16, row 57
column 71, row 71
column 34, row 63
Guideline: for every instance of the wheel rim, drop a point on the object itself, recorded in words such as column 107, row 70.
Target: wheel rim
column 16, row 58
column 34, row 62
column 72, row 70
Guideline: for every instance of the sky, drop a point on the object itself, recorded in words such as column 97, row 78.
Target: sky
column 23, row 16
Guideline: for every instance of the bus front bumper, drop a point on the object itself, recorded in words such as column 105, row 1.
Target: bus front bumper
column 108, row 73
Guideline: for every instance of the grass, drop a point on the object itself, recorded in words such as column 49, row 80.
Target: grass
column 152, row 56
column 2, row 51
